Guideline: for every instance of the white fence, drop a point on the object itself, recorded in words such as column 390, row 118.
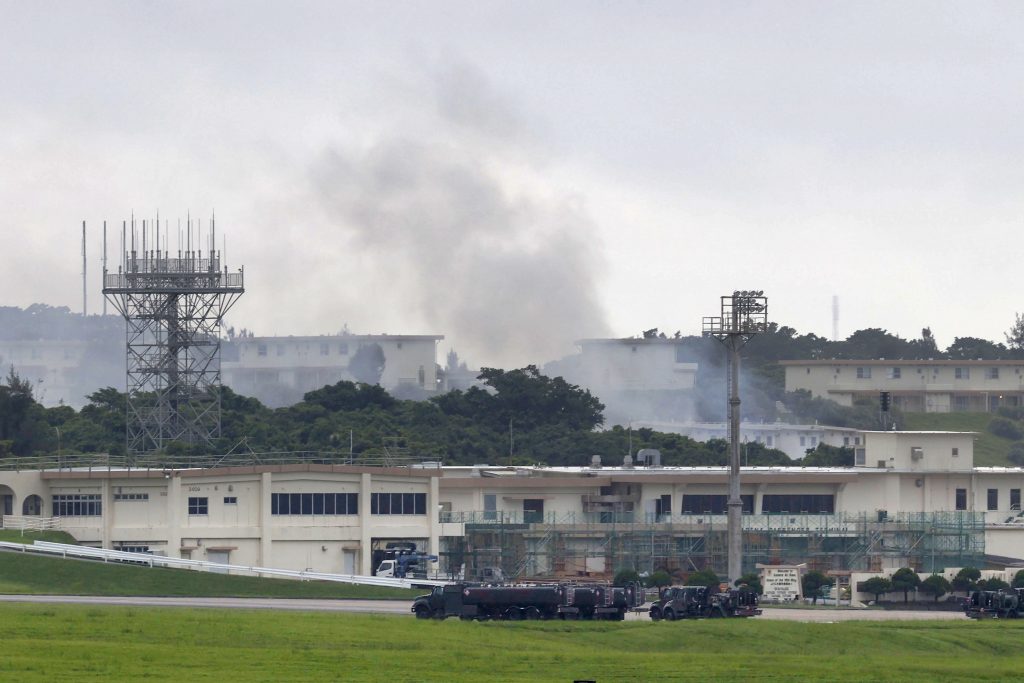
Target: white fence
column 65, row 550
column 29, row 523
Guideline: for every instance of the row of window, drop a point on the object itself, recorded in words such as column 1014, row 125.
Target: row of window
column 78, row 505
column 325, row 349
column 398, row 503
column 896, row 373
column 314, row 503
column 131, row 496
column 993, row 499
column 717, row 504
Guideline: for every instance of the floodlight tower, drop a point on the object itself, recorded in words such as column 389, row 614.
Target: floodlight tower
column 173, row 306
column 744, row 314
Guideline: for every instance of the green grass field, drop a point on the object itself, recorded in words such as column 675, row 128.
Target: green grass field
column 48, row 642
column 25, row 574
column 989, row 450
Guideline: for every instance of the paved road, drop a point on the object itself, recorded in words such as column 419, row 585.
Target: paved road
column 363, row 606
column 402, row 607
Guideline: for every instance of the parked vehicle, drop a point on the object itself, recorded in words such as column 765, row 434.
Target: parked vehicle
column 697, row 602
column 550, row 601
column 1001, row 604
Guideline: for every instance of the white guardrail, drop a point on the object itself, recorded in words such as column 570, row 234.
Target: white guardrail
column 66, row 550
column 29, row 523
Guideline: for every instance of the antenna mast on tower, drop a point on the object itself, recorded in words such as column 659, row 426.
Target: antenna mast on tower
column 173, row 307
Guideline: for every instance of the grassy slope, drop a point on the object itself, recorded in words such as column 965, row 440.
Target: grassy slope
column 180, row 644
column 989, row 449
column 34, row 574
column 29, row 537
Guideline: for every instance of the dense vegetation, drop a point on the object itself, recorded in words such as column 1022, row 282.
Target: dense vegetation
column 517, row 416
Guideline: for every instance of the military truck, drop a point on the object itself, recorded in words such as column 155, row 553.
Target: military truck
column 1001, row 604
column 699, row 602
column 549, row 601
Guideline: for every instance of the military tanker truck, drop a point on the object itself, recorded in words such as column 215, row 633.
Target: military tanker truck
column 547, row 601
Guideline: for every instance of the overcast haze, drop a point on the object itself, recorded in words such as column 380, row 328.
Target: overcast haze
column 518, row 175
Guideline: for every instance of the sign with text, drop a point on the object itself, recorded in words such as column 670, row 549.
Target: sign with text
column 781, row 582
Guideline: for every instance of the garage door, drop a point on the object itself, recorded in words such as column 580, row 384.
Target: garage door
column 218, row 557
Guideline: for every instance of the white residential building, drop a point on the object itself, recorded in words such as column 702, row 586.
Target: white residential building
column 792, row 439
column 919, row 386
column 279, row 370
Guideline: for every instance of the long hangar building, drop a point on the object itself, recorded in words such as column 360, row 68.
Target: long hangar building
column 912, row 498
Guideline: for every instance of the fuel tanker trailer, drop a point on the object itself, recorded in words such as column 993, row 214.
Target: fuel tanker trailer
column 546, row 601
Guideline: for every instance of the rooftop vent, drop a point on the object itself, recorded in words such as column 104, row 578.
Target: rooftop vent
column 627, row 462
column 649, row 457
column 595, row 462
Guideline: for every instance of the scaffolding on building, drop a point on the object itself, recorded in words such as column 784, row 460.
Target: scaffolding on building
column 526, row 547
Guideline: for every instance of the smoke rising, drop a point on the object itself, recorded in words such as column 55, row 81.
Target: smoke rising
column 457, row 230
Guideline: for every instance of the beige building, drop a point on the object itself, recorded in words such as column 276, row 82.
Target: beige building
column 919, row 386
column 279, row 370
column 913, row 498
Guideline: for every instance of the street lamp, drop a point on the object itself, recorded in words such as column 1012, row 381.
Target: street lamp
column 743, row 315
column 57, row 429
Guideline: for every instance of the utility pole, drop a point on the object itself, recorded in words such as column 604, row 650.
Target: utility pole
column 743, row 315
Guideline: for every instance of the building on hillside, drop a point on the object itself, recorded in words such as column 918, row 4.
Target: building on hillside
column 64, row 371
column 913, row 499
column 279, row 370
column 636, row 379
column 793, row 440
column 916, row 386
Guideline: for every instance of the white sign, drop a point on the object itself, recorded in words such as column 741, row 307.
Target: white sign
column 781, row 584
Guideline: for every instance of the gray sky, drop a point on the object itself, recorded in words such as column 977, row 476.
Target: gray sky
column 517, row 175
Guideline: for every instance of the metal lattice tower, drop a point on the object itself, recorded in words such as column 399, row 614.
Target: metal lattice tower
column 744, row 314
column 173, row 307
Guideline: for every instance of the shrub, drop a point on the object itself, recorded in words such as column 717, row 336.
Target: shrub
column 1011, row 412
column 1016, row 453
column 1008, row 429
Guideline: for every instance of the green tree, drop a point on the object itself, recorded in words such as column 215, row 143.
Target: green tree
column 704, row 577
column 658, row 579
column 972, row 348
column 813, row 581
column 992, row 584
column 1015, row 335
column 751, row 581
column 1018, row 579
column 877, row 586
column 624, row 576
column 966, row 579
column 936, row 585
column 905, row 579
column 824, row 455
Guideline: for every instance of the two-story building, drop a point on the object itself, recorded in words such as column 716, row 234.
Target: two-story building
column 919, row 386
column 279, row 370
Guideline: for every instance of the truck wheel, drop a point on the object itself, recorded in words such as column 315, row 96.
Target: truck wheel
column 514, row 614
column 422, row 612
column 670, row 615
column 655, row 614
column 532, row 613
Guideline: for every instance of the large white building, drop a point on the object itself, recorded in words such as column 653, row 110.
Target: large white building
column 919, row 386
column 279, row 370
column 912, row 498
column 792, row 439
column 636, row 379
